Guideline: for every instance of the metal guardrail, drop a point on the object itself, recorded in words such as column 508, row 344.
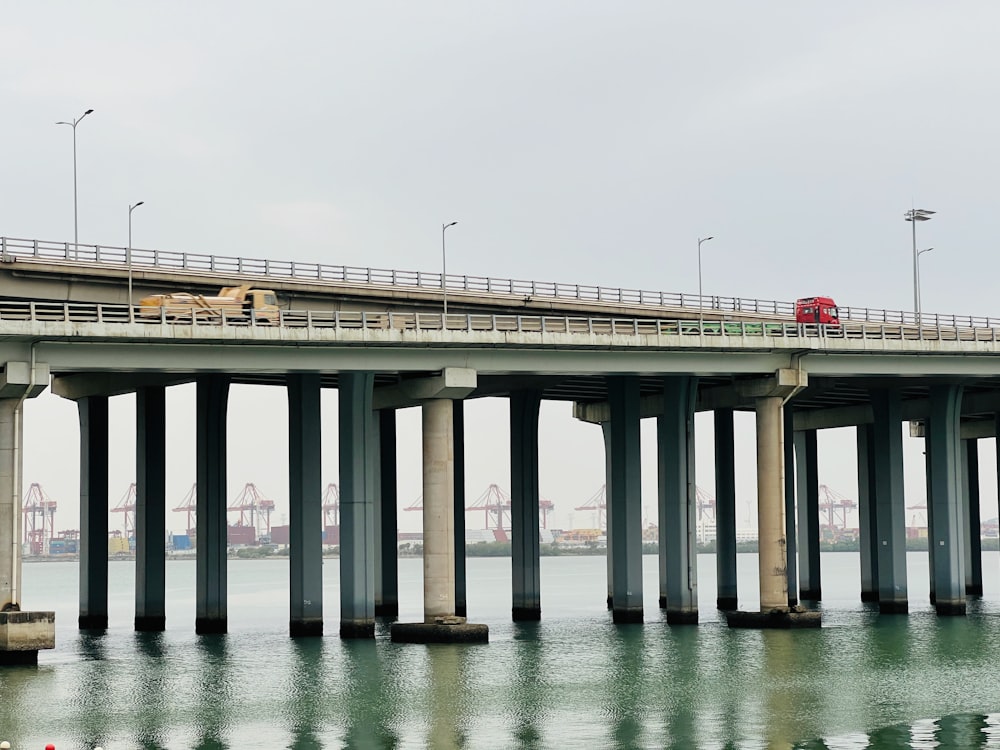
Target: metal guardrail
column 110, row 256
column 71, row 312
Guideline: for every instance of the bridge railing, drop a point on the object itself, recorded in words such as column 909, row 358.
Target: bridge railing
column 230, row 266
column 83, row 313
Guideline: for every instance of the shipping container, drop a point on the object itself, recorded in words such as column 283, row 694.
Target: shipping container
column 117, row 546
column 242, row 535
column 182, row 542
column 280, row 535
column 331, row 536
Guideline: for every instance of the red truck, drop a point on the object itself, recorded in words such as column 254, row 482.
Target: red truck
column 817, row 310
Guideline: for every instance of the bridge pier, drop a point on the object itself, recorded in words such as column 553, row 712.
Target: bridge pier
column 890, row 518
column 22, row 634
column 386, row 522
column 93, row 415
column 624, row 499
column 973, row 526
column 678, row 502
column 868, row 527
column 524, row 500
column 458, row 516
column 212, row 398
column 725, row 510
column 788, row 448
column 807, row 477
column 150, row 508
column 357, row 522
column 305, row 505
column 944, row 513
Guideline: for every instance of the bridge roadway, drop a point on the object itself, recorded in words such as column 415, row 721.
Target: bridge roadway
column 796, row 378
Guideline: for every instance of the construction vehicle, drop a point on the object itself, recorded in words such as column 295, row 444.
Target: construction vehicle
column 232, row 303
column 817, row 310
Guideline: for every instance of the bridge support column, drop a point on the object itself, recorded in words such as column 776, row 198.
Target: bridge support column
column 22, row 634
column 868, row 527
column 357, row 523
column 678, row 502
column 973, row 528
column 458, row 517
column 387, row 559
column 808, row 511
column 625, row 500
column 211, row 614
column 524, row 500
column 609, row 555
column 770, row 506
column 150, row 508
column 93, row 414
column 725, row 510
column 945, row 488
column 792, row 540
column 305, row 501
column 441, row 622
column 890, row 511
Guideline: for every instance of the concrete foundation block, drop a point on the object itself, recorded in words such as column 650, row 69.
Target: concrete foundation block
column 23, row 634
column 784, row 619
column 306, row 627
column 439, row 632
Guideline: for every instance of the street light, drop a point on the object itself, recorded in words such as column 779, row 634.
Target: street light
column 919, row 253
column 76, row 236
column 913, row 216
column 444, row 271
column 700, row 313
column 128, row 250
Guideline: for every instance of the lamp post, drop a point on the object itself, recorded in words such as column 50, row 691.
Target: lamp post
column 444, row 271
column 128, row 250
column 76, row 236
column 913, row 216
column 919, row 253
column 700, row 313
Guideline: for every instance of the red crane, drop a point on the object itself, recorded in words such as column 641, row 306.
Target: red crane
column 254, row 509
column 598, row 502
column 495, row 504
column 189, row 505
column 331, row 506
column 835, row 507
column 39, row 519
column 127, row 506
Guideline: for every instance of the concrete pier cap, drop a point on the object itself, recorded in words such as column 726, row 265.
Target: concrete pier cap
column 440, row 630
column 778, row 618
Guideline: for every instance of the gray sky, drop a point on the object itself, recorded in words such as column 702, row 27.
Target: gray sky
column 581, row 142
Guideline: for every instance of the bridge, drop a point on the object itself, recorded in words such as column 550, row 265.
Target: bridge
column 380, row 339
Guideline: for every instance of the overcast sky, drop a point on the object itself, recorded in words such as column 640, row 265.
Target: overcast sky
column 573, row 141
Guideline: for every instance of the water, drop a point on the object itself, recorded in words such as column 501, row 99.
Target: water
column 573, row 680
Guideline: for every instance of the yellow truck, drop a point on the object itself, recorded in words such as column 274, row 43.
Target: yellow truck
column 233, row 303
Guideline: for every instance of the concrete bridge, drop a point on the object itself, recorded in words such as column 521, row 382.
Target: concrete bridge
column 387, row 351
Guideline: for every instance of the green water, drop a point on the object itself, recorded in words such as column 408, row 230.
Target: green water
column 573, row 680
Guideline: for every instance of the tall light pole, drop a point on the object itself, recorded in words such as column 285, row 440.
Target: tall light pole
column 700, row 313
column 76, row 234
column 444, row 270
column 919, row 253
column 128, row 250
column 913, row 216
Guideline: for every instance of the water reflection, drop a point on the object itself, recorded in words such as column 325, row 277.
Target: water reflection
column 625, row 683
column 214, row 692
column 531, row 689
column 369, row 706
column 449, row 693
column 93, row 689
column 306, row 687
column 152, row 726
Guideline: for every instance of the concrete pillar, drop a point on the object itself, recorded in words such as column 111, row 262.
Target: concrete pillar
column 150, row 508
column 866, row 513
column 609, row 557
column 973, row 539
column 22, row 634
column 439, row 509
column 10, row 505
column 945, row 535
column 458, row 518
column 806, row 457
column 725, row 510
column 524, row 501
column 625, row 499
column 791, row 537
column 305, row 504
column 387, row 580
column 771, row 506
column 890, row 509
column 678, row 502
column 93, row 413
column 357, row 500
column 211, row 614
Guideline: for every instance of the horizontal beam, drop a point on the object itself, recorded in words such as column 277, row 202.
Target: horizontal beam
column 453, row 383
